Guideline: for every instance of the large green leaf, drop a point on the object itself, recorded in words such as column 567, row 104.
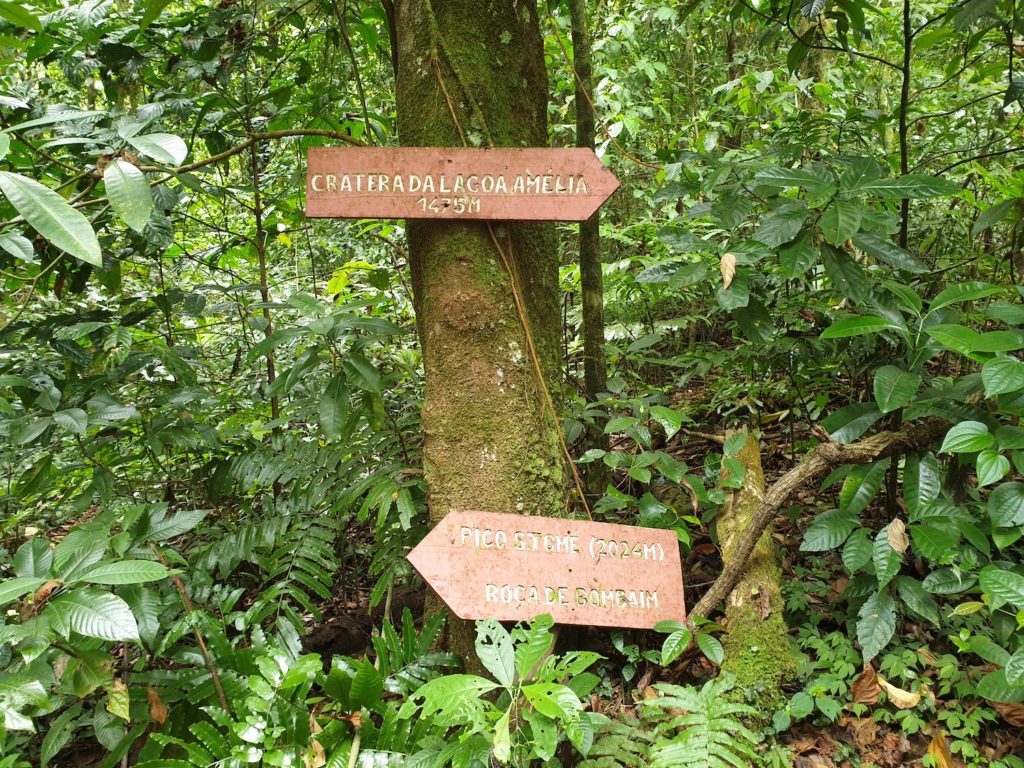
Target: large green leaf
column 967, row 437
column 553, row 700
column 782, row 224
column 128, row 192
column 912, row 186
column 876, row 624
column 1001, row 375
column 935, row 542
column 894, row 387
column 859, row 325
column 887, row 251
column 52, row 217
column 967, row 341
column 916, row 598
column 1006, row 505
column 961, row 292
column 367, row 686
column 33, row 558
column 334, row 407
column 12, row 589
column 123, row 572
column 862, row 485
column 887, row 560
column 857, row 551
column 20, row 16
column 162, row 147
column 495, row 650
column 849, row 423
column 995, row 687
column 19, row 246
column 93, row 613
column 828, row 530
column 991, row 467
column 947, row 581
column 841, row 221
column 846, row 275
column 795, row 177
column 1003, row 587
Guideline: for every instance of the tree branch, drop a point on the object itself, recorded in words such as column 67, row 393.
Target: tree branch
column 822, row 459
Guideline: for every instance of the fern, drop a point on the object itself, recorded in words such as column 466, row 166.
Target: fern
column 710, row 735
column 405, row 661
column 625, row 742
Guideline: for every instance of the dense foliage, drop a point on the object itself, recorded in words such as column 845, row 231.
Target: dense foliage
column 209, row 405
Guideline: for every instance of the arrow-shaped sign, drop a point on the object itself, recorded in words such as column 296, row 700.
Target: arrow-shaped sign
column 516, row 567
column 537, row 184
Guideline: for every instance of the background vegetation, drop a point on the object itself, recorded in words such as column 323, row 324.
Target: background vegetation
column 209, row 406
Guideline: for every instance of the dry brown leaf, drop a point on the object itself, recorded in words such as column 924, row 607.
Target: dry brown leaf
column 897, row 535
column 157, row 708
column 1011, row 713
column 43, row 593
column 939, row 749
column 316, row 755
column 728, row 268
column 863, row 729
column 865, row 688
column 900, row 698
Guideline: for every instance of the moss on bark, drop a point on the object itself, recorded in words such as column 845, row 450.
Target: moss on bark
column 488, row 443
column 757, row 647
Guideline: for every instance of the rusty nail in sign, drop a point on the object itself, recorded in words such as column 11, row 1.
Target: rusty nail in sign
column 538, row 184
column 516, row 567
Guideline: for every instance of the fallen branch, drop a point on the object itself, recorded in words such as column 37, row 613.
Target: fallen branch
column 824, row 458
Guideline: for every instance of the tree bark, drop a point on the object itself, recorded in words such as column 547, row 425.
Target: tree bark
column 595, row 373
column 756, row 641
column 472, row 72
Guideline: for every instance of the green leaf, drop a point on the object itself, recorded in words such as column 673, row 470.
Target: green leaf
column 888, row 252
column 828, row 531
column 33, row 558
column 13, row 589
column 991, row 467
column 1001, row 375
column 862, row 485
column 995, row 687
column 971, row 11
column 947, row 581
column 917, row 598
column 961, row 292
column 936, row 543
column 129, row 193
column 123, row 572
column 674, row 645
column 846, row 275
column 967, row 437
column 162, row 147
column 19, row 16
column 798, row 257
column 58, row 116
column 994, row 213
column 711, row 647
column 913, row 186
column 887, row 560
column 1003, row 587
column 851, row 422
column 495, row 651
column 782, row 224
column 907, row 296
column 894, row 387
column 450, row 700
column 858, row 551
column 876, row 624
column 1006, row 505
column 795, row 177
column 1015, row 668
column 73, row 420
column 153, row 10
column 859, row 325
column 52, row 217
column 334, row 407
column 367, row 687
column 362, row 373
column 92, row 613
column 553, row 700
column 968, row 341
column 841, row 221
column 18, row 246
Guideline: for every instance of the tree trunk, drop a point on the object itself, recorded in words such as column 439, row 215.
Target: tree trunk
column 472, row 72
column 757, row 648
column 595, row 373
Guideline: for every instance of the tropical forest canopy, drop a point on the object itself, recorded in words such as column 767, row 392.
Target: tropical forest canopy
column 219, row 438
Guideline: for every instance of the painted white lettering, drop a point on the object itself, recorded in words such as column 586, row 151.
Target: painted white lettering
column 313, row 182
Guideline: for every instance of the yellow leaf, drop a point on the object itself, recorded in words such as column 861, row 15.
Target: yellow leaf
column 940, row 751
column 900, row 698
column 117, row 699
column 728, row 268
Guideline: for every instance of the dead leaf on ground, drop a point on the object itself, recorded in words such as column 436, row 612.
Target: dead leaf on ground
column 900, row 698
column 157, row 708
column 728, row 268
column 939, row 749
column 865, row 688
column 896, row 532
column 1011, row 713
column 813, row 761
column 863, row 729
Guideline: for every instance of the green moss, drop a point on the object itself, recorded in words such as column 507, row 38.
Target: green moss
column 758, row 653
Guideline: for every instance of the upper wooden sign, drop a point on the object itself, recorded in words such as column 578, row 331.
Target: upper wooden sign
column 442, row 183
column 516, row 567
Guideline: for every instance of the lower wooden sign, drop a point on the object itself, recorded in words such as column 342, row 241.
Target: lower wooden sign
column 516, row 567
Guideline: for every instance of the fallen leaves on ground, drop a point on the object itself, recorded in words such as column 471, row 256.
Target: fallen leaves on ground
column 865, row 688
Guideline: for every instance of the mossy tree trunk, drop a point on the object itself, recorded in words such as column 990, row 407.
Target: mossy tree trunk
column 757, row 648
column 472, row 72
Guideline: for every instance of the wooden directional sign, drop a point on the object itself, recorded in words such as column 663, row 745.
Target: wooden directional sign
column 516, row 567
column 441, row 183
